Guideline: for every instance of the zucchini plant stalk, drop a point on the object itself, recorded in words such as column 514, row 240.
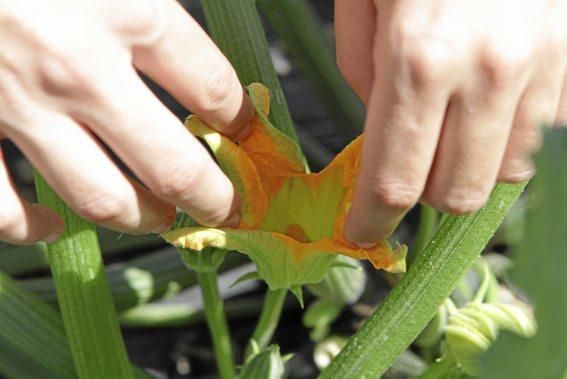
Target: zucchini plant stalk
column 428, row 282
column 84, row 296
column 216, row 320
column 206, row 264
column 268, row 321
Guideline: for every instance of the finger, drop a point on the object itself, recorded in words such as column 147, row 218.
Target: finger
column 188, row 65
column 23, row 223
column 80, row 171
column 404, row 119
column 470, row 151
column 538, row 106
column 160, row 150
column 355, row 23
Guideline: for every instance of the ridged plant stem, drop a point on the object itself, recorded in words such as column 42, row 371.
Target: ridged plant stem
column 302, row 34
column 428, row 282
column 84, row 296
column 235, row 26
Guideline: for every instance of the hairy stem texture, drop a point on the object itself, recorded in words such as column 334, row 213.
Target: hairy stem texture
column 428, row 282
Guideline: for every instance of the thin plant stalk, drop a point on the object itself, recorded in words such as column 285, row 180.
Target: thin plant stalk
column 268, row 321
column 417, row 297
column 302, row 34
column 84, row 296
column 216, row 320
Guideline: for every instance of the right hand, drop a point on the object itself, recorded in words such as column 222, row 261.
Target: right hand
column 68, row 78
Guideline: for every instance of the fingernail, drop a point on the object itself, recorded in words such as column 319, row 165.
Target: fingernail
column 233, row 221
column 51, row 238
column 165, row 225
column 55, row 233
column 242, row 134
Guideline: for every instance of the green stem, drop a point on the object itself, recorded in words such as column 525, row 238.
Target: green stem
column 417, row 297
column 299, row 28
column 84, row 295
column 427, row 225
column 269, row 318
column 216, row 320
column 235, row 26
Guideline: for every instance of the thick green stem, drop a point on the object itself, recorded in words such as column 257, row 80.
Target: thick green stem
column 299, row 28
column 417, row 297
column 216, row 320
column 235, row 26
column 84, row 295
column 269, row 318
column 427, row 224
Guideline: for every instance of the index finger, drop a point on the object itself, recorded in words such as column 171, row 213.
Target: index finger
column 184, row 61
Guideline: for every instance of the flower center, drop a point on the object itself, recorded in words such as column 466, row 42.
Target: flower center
column 296, row 232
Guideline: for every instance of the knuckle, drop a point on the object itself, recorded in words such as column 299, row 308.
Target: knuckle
column 181, row 179
column 63, row 75
column 396, row 195
column 500, row 67
column 143, row 20
column 423, row 66
column 217, row 88
column 103, row 208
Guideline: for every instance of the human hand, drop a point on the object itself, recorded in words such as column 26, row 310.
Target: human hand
column 68, row 78
column 454, row 92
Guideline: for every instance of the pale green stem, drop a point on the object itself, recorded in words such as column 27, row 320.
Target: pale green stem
column 216, row 320
column 84, row 295
column 269, row 319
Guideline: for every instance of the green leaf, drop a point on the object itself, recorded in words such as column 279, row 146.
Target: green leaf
column 541, row 260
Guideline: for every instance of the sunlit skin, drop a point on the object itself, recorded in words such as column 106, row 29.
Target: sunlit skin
column 455, row 91
column 68, row 78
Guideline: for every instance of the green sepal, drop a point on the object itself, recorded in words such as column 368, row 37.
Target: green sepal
column 298, row 293
column 207, row 260
column 252, row 275
column 265, row 364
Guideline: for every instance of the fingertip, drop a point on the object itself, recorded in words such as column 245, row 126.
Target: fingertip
column 57, row 225
column 358, row 233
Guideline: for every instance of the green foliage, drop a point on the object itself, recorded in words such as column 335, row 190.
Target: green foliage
column 540, row 260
